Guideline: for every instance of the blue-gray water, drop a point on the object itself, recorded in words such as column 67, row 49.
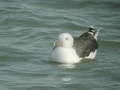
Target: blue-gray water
column 28, row 29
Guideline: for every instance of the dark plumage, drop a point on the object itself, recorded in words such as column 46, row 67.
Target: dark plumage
column 86, row 43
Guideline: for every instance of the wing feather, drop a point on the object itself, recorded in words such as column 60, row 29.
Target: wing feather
column 85, row 44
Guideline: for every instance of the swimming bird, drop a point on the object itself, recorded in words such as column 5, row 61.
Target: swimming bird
column 68, row 49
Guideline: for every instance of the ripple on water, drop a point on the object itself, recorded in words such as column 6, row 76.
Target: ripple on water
column 27, row 30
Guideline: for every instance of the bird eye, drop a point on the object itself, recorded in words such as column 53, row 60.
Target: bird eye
column 66, row 38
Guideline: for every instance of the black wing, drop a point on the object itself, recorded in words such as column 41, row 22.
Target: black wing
column 85, row 44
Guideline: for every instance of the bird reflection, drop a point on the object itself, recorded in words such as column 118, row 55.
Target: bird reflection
column 66, row 65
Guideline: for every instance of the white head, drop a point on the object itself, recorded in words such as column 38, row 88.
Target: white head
column 65, row 40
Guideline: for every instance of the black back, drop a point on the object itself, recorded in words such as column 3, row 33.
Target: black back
column 85, row 44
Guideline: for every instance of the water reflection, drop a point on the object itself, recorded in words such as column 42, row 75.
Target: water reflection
column 67, row 65
column 66, row 79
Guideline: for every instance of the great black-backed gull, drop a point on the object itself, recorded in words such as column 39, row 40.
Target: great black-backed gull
column 72, row 50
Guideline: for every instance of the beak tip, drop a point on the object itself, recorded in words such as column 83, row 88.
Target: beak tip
column 55, row 43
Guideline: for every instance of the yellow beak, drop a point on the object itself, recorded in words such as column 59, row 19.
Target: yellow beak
column 55, row 43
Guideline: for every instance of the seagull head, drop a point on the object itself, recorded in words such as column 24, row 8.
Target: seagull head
column 65, row 40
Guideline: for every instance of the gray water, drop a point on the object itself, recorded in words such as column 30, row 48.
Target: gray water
column 28, row 29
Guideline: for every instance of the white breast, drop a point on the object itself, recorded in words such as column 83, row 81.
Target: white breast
column 65, row 55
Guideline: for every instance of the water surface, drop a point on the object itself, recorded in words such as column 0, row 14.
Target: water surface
column 27, row 30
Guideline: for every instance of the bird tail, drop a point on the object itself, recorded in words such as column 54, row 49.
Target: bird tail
column 91, row 28
column 97, row 32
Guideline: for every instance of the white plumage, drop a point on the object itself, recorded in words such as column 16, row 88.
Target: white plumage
column 66, row 55
column 66, row 51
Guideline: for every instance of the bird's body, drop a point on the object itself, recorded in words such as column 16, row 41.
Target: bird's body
column 66, row 55
column 72, row 50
